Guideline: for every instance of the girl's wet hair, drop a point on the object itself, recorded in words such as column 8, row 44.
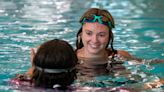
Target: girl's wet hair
column 54, row 54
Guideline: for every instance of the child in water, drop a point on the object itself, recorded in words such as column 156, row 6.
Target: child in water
column 53, row 65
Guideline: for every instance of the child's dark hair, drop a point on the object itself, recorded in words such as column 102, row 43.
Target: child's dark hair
column 55, row 63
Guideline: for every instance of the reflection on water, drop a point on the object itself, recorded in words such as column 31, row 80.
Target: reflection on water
column 129, row 74
column 27, row 23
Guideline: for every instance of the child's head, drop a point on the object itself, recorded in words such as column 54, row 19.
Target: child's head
column 54, row 63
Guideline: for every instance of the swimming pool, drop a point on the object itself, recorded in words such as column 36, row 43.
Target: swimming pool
column 27, row 23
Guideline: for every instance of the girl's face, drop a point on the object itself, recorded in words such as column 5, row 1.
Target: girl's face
column 95, row 37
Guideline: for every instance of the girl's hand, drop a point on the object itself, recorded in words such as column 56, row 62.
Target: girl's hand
column 32, row 54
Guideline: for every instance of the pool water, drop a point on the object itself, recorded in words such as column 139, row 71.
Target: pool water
column 25, row 24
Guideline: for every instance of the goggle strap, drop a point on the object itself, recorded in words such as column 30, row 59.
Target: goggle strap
column 84, row 19
column 110, row 24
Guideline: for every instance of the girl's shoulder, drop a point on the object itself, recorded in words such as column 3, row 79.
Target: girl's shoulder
column 78, row 52
column 124, row 53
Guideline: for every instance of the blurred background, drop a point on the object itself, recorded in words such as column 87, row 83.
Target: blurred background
column 25, row 24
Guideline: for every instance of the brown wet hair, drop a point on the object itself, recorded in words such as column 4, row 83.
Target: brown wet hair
column 54, row 54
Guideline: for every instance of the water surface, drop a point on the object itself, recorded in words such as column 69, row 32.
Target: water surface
column 27, row 23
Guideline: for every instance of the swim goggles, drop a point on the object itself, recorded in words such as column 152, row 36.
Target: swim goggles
column 101, row 19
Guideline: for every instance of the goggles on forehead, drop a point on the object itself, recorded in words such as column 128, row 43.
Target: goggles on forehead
column 100, row 19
